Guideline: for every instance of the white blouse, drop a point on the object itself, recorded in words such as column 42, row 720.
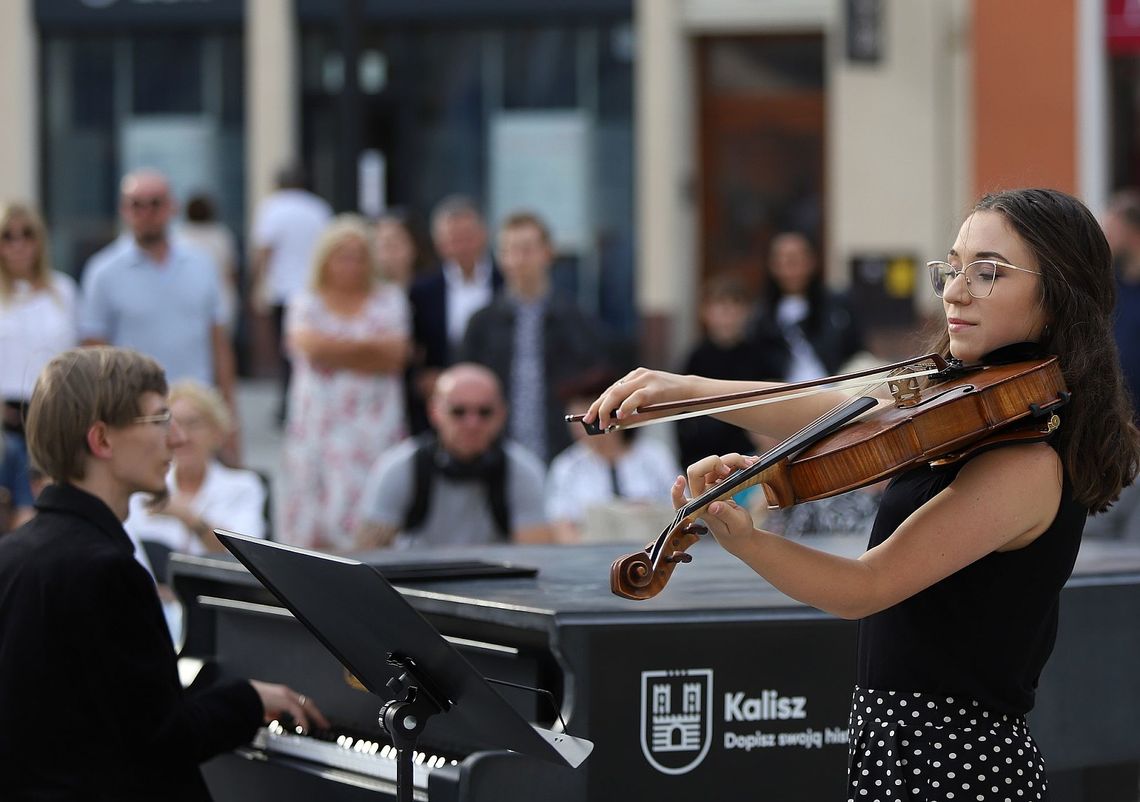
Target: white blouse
column 229, row 498
column 579, row 478
column 35, row 325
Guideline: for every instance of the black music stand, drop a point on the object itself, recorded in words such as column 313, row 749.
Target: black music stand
column 379, row 637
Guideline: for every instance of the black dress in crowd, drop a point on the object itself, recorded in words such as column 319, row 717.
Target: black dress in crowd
column 757, row 358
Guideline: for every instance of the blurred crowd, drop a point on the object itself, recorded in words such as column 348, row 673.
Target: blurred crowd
column 423, row 390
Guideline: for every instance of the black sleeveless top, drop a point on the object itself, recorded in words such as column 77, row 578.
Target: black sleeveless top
column 984, row 632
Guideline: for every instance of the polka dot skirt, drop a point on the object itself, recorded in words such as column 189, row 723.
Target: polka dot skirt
column 918, row 747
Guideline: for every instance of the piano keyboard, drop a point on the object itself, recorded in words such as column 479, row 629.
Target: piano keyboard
column 360, row 755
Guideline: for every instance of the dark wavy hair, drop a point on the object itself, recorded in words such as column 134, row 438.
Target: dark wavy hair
column 1097, row 441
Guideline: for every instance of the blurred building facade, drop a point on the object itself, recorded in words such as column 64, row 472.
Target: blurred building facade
column 665, row 139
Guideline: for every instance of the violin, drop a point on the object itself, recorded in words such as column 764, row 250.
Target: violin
column 955, row 412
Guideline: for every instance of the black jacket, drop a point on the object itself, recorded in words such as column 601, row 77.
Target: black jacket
column 751, row 359
column 91, row 706
column 573, row 344
column 428, row 299
column 832, row 330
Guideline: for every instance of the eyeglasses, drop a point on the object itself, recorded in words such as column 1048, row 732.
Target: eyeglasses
column 16, row 234
column 980, row 275
column 163, row 418
column 152, row 203
column 461, row 411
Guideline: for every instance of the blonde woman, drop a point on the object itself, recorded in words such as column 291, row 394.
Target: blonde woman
column 37, row 304
column 37, row 321
column 202, row 493
column 348, row 338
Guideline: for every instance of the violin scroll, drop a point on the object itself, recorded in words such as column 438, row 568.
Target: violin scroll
column 643, row 574
column 631, row 575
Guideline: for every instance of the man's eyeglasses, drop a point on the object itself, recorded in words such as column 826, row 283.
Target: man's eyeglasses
column 980, row 275
column 163, row 418
column 15, row 234
column 152, row 203
column 461, row 411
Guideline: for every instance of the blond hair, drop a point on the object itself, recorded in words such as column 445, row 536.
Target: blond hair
column 343, row 227
column 77, row 389
column 206, row 400
column 41, row 270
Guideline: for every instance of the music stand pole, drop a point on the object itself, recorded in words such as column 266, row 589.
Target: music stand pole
column 404, row 719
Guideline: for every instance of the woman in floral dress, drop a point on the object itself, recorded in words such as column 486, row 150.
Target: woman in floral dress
column 348, row 337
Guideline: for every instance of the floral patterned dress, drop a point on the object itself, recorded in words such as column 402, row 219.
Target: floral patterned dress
column 339, row 421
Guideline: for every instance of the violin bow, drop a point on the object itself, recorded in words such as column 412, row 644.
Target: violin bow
column 695, row 407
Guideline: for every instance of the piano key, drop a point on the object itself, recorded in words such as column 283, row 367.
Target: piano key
column 345, row 752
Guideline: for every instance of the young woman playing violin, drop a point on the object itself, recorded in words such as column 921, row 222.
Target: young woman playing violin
column 958, row 591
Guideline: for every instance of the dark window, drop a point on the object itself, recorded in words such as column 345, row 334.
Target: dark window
column 92, row 83
column 233, row 81
column 540, row 68
column 166, row 73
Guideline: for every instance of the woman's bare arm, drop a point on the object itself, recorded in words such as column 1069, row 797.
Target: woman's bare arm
column 642, row 387
column 1000, row 500
column 383, row 354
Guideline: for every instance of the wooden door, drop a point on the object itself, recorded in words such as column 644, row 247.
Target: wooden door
column 762, row 115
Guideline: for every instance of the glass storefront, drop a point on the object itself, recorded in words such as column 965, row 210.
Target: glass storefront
column 137, row 85
column 530, row 114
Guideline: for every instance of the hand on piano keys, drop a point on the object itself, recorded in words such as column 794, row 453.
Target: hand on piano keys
column 281, row 701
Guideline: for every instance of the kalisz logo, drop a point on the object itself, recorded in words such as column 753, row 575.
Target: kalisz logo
column 676, row 718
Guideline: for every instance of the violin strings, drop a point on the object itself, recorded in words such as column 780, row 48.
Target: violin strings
column 837, row 416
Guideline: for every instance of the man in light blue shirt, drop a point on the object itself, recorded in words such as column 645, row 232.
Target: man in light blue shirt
column 156, row 295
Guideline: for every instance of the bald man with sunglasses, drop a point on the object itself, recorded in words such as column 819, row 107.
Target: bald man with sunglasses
column 461, row 484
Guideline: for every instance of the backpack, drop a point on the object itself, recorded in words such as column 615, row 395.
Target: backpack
column 489, row 469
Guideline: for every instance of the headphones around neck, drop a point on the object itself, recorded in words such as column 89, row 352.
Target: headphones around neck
column 479, row 467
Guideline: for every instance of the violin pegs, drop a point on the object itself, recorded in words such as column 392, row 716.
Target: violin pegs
column 679, row 557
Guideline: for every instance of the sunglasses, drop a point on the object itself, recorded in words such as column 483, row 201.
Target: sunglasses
column 16, row 234
column 153, row 203
column 461, row 411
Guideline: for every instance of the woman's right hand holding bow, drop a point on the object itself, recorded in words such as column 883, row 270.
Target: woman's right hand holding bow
column 638, row 388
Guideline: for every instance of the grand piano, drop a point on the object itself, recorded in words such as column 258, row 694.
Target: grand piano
column 720, row 687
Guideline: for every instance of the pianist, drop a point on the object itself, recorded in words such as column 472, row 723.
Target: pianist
column 90, row 703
